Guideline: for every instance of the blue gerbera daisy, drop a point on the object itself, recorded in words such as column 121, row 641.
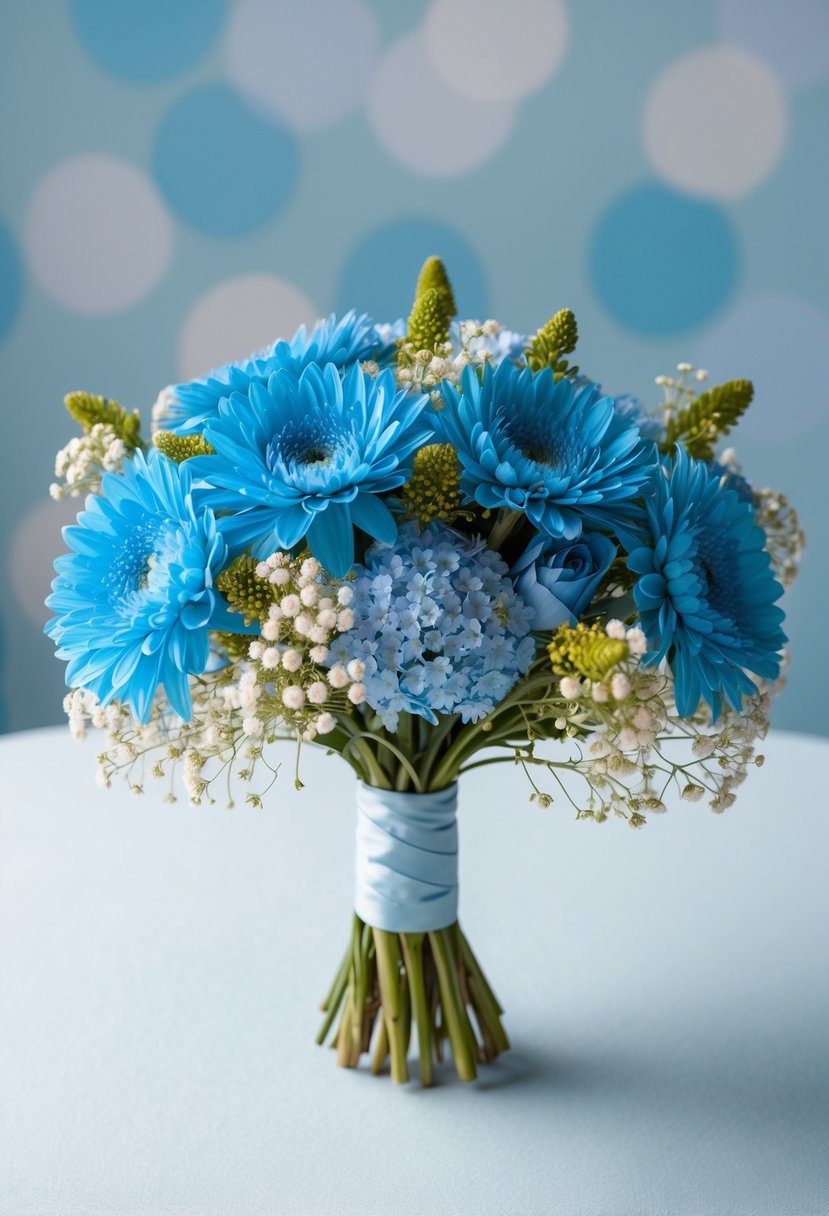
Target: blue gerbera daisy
column 706, row 593
column 527, row 443
column 342, row 342
column 135, row 598
column 309, row 456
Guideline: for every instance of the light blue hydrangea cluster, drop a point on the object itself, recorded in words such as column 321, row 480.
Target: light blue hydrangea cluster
column 438, row 626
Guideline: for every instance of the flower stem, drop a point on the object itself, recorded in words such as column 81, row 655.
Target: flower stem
column 502, row 527
column 461, row 1035
column 412, row 946
column 431, row 977
column 388, row 974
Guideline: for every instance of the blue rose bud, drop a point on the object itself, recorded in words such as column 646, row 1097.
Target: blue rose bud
column 558, row 578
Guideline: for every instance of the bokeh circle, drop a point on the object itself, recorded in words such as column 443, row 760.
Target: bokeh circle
column 98, row 237
column 147, row 41
column 661, row 262
column 220, row 165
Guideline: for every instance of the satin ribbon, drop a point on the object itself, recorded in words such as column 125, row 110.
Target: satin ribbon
column 407, row 859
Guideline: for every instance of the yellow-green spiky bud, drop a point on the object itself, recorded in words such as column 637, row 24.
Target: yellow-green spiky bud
column 434, row 489
column 554, row 340
column 585, row 650
column 89, row 410
column 246, row 592
column 428, row 321
column 181, row 447
column 433, row 277
column 237, row 645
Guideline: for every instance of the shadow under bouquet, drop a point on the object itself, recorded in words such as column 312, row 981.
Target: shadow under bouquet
column 427, row 547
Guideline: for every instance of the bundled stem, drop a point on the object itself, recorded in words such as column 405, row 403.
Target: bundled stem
column 387, row 979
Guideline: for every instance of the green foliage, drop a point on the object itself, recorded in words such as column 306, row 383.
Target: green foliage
column 434, row 489
column 246, row 592
column 181, row 447
column 585, row 650
column 711, row 415
column 552, row 342
column 88, row 410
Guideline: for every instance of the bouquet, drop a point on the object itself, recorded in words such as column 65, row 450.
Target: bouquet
column 425, row 546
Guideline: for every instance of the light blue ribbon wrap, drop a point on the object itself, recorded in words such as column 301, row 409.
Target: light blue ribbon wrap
column 407, row 859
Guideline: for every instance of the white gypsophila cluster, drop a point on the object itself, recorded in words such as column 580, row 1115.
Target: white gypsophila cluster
column 85, row 459
column 680, row 390
column 210, row 747
column 470, row 343
column 629, row 745
column 161, row 407
column 281, row 691
column 289, row 676
column 785, row 538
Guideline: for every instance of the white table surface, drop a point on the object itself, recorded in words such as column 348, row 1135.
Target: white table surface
column 667, row 994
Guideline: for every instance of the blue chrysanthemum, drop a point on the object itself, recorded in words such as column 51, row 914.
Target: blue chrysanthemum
column 135, row 598
column 706, row 593
column 310, row 456
column 342, row 342
column 438, row 625
column 560, row 454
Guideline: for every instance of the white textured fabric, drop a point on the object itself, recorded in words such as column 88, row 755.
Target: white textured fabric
column 406, row 865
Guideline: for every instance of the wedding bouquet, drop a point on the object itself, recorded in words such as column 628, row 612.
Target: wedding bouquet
column 426, row 547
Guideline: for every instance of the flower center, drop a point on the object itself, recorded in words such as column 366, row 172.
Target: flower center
column 717, row 560
column 536, row 441
column 309, row 441
column 130, row 567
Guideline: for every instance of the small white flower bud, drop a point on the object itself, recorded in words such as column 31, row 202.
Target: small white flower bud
column 357, row 694
column 262, row 570
column 317, row 692
column 570, row 688
column 293, row 696
column 615, row 630
column 345, row 620
column 270, row 630
column 345, row 595
column 318, row 654
column 637, row 642
column 693, row 792
column 356, row 669
column 325, row 723
column 304, row 623
column 338, row 676
column 270, row 658
column 620, row 686
column 292, row 660
column 256, row 650
column 252, row 727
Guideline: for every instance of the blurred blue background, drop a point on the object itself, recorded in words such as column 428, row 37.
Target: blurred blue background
column 185, row 179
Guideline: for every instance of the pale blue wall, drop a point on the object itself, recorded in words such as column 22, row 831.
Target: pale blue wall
column 661, row 169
